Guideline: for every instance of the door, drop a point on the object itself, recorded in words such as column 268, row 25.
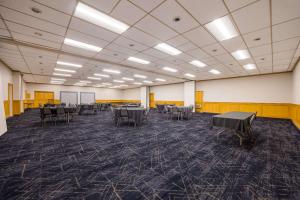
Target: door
column 199, row 101
column 43, row 97
column 151, row 100
column 10, row 100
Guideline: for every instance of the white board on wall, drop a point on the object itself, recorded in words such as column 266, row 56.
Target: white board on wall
column 87, row 97
column 69, row 97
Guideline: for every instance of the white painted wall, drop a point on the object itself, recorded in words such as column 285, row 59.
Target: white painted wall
column 6, row 78
column 273, row 88
column 131, row 94
column 296, row 84
column 3, row 127
column 172, row 92
column 189, row 93
column 100, row 93
column 144, row 92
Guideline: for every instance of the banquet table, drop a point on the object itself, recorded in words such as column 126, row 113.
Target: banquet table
column 135, row 113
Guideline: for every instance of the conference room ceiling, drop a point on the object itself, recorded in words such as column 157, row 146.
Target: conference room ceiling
column 33, row 36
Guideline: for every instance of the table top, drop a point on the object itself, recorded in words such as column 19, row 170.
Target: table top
column 235, row 115
column 130, row 108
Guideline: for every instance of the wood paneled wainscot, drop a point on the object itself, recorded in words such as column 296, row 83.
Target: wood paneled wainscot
column 274, row 110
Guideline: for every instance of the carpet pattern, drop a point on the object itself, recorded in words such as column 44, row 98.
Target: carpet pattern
column 90, row 159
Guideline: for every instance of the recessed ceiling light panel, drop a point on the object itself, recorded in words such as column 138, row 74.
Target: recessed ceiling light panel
column 160, row 80
column 169, row 69
column 64, row 70
column 139, row 76
column 112, row 71
column 167, row 49
column 222, row 28
column 68, row 64
column 100, row 19
column 197, row 63
column 214, row 71
column 189, row 75
column 241, row 54
column 138, row 60
column 249, row 66
column 82, row 45
column 60, row 74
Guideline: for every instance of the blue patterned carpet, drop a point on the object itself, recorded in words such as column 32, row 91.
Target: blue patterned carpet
column 90, row 159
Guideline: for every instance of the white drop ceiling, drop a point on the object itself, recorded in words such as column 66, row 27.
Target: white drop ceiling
column 33, row 42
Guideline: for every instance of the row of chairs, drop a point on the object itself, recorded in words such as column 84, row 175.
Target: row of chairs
column 56, row 115
column 179, row 113
column 122, row 115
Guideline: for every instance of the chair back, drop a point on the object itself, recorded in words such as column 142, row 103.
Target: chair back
column 252, row 118
column 60, row 110
column 123, row 112
column 47, row 111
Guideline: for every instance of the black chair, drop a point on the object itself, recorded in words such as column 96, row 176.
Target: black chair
column 123, row 116
column 45, row 114
column 60, row 114
column 176, row 112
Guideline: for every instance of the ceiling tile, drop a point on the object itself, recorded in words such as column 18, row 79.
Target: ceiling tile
column 33, row 22
column 155, row 28
column 236, row 4
column 261, row 50
column 17, row 28
column 215, row 49
column 169, row 10
column 146, row 4
column 130, row 44
column 285, row 55
column 200, row 37
column 127, row 12
column 198, row 54
column 35, row 40
column 253, row 17
column 205, row 10
column 78, row 51
column 155, row 53
column 4, row 33
column 66, row 6
column 140, row 36
column 284, row 10
column 118, row 48
column 177, row 41
column 286, row 30
column 102, row 5
column 46, row 13
column 258, row 38
column 75, row 35
column 233, row 44
column 285, row 45
column 187, row 46
column 93, row 30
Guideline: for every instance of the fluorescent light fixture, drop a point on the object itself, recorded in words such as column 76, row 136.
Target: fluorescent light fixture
column 145, row 81
column 138, row 60
column 98, row 18
column 81, row 45
column 170, row 69
column 57, row 82
column 241, row 54
column 64, row 70
column 137, row 83
column 167, row 49
column 94, row 78
column 111, row 71
column 123, row 85
column 99, row 85
column 189, row 75
column 106, row 84
column 85, row 81
column 160, row 79
column 59, row 74
column 57, row 79
column 128, row 79
column 118, row 81
column 222, row 28
column 102, row 75
column 139, row 76
column 214, row 71
column 249, row 66
column 197, row 63
column 68, row 64
column 116, row 86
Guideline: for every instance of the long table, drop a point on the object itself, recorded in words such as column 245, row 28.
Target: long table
column 237, row 121
column 135, row 113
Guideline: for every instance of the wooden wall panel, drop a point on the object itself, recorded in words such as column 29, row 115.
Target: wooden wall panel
column 276, row 110
column 6, row 108
column 17, row 107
